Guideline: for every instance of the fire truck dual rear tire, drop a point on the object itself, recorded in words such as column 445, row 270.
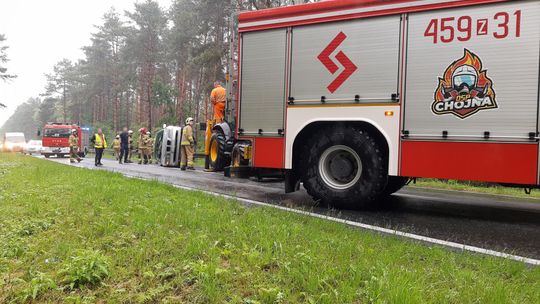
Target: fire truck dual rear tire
column 344, row 167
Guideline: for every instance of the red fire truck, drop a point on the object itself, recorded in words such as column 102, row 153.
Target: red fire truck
column 354, row 97
column 55, row 139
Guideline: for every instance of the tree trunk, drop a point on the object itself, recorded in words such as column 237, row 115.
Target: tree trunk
column 149, row 97
column 181, row 88
column 64, row 102
column 115, row 112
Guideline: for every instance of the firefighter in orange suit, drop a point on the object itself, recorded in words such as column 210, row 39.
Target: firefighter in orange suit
column 218, row 97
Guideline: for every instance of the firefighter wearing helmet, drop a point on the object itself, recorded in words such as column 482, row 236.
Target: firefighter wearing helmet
column 149, row 147
column 187, row 146
column 116, row 147
column 74, row 147
column 464, row 79
column 143, row 139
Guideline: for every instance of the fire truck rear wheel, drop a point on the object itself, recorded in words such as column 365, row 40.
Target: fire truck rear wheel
column 217, row 155
column 344, row 167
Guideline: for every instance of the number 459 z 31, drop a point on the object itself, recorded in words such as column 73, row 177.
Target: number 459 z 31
column 500, row 26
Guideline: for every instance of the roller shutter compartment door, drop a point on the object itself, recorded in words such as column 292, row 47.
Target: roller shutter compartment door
column 472, row 73
column 262, row 100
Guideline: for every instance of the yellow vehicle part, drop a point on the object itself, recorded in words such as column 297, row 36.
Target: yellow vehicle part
column 247, row 152
column 214, row 151
column 208, row 136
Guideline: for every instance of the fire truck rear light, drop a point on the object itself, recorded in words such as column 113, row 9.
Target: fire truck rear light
column 389, row 113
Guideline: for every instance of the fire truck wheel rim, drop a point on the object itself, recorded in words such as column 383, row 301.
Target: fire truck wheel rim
column 340, row 167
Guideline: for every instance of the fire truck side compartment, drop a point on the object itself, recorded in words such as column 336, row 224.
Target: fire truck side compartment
column 508, row 154
column 263, row 82
column 511, row 63
column 371, row 45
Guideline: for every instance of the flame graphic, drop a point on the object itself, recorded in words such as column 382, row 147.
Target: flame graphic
column 468, row 59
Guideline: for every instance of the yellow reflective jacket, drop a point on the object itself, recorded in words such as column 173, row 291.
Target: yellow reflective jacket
column 187, row 136
column 98, row 143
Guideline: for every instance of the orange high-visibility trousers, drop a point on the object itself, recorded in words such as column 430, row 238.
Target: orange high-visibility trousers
column 219, row 111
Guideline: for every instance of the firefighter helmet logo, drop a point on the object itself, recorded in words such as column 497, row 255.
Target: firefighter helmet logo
column 464, row 88
column 332, row 67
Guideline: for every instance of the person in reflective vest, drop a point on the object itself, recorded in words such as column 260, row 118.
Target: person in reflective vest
column 100, row 143
column 187, row 148
column 74, row 147
column 218, row 97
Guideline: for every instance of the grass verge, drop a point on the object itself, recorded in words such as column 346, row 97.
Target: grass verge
column 475, row 187
column 75, row 235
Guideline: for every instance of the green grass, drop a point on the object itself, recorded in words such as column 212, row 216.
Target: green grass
column 79, row 236
column 475, row 187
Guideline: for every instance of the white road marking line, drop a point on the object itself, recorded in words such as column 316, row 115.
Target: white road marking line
column 417, row 237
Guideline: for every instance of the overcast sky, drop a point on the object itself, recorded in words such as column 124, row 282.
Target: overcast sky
column 40, row 33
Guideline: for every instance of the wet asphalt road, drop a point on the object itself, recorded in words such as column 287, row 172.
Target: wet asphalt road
column 500, row 223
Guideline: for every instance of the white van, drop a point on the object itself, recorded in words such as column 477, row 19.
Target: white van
column 14, row 142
